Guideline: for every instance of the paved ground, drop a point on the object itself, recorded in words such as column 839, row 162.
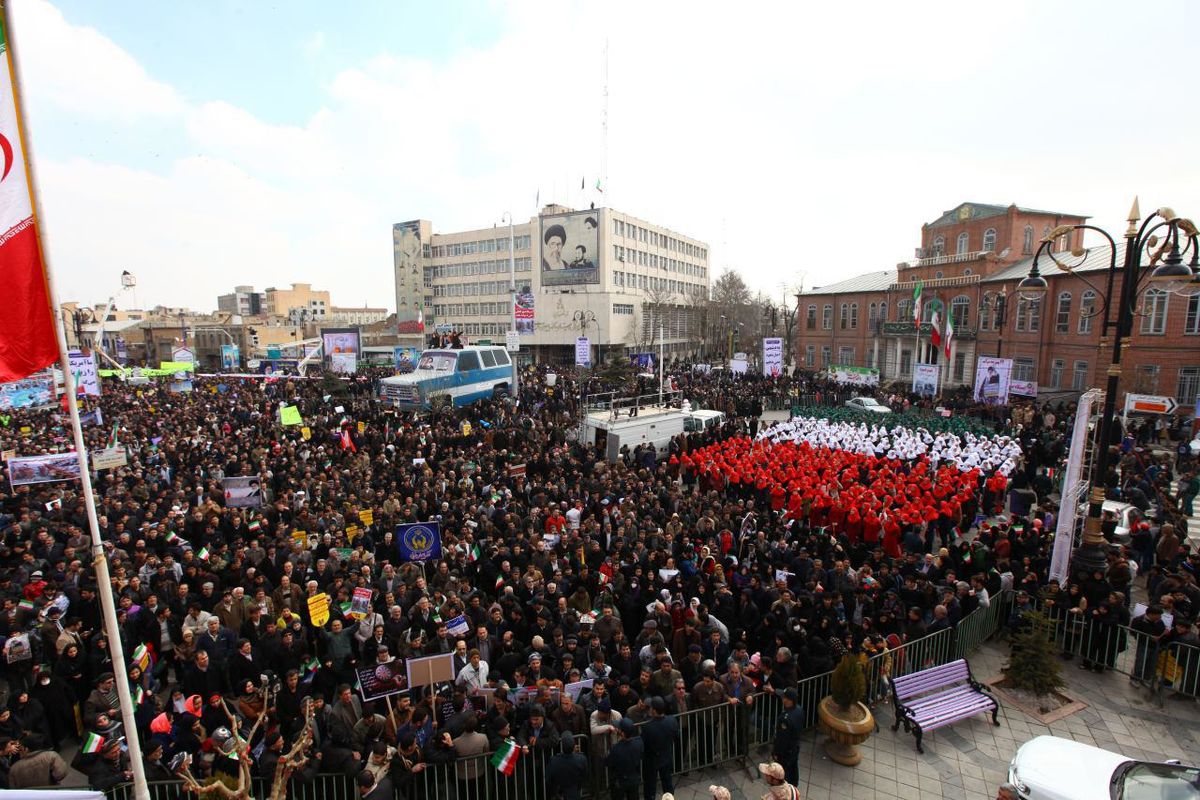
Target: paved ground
column 969, row 759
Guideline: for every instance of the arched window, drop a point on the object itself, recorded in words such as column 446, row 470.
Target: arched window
column 872, row 310
column 960, row 310
column 845, row 316
column 939, row 246
column 1062, row 316
column 854, row 316
column 1027, row 243
column 989, row 240
column 1045, row 233
column 964, row 243
column 903, row 310
column 882, row 313
column 927, row 310
column 1087, row 310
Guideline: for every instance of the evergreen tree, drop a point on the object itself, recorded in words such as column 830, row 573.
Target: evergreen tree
column 1032, row 664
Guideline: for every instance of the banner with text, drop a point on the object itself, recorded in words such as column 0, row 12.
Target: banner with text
column 24, row 470
column 925, row 379
column 855, row 376
column 992, row 376
column 773, row 356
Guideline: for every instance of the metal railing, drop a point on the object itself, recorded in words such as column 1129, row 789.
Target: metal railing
column 718, row 734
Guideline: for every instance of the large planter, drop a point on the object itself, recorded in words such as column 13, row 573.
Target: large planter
column 846, row 729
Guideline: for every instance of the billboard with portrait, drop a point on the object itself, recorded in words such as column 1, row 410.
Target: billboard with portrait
column 570, row 248
column 992, row 380
column 339, row 340
column 925, row 379
column 243, row 492
column 410, row 278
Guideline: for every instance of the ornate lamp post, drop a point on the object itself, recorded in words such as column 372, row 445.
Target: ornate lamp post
column 1164, row 238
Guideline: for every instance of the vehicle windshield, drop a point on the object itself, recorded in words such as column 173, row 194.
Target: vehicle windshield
column 439, row 362
column 1159, row 782
column 868, row 401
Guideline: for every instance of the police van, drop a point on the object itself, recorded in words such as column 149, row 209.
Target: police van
column 451, row 376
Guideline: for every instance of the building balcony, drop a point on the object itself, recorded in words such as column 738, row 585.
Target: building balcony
column 908, row 329
column 957, row 258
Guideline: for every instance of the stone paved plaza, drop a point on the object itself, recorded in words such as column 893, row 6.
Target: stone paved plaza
column 969, row 759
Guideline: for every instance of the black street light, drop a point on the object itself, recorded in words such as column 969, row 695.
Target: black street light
column 999, row 304
column 1166, row 272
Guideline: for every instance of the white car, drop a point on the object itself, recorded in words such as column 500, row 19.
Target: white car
column 869, row 404
column 1050, row 768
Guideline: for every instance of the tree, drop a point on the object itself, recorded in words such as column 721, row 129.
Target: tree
column 730, row 291
column 1032, row 664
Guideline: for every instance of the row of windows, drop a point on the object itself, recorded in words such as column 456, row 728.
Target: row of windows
column 653, row 261
column 623, row 309
column 963, row 243
column 470, row 289
column 472, row 309
column 648, row 282
column 490, row 267
column 656, row 239
column 478, row 328
column 478, row 246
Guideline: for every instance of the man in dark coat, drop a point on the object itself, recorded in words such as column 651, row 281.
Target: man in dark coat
column 624, row 762
column 567, row 771
column 787, row 737
column 658, row 736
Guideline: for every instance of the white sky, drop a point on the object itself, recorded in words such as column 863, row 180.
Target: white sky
column 796, row 139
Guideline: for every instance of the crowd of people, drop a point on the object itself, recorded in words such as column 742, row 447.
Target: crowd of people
column 601, row 601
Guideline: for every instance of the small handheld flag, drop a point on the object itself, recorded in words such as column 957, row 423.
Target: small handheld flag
column 505, row 758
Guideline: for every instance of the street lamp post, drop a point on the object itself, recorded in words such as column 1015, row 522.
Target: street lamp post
column 1000, row 307
column 1168, row 273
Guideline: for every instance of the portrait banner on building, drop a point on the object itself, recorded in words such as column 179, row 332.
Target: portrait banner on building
column 243, row 492
column 83, row 367
column 340, row 340
column 24, row 470
column 419, row 541
column 925, row 379
column 772, row 356
column 992, row 380
column 523, row 311
column 854, row 376
column 229, row 356
column 410, row 279
column 570, row 248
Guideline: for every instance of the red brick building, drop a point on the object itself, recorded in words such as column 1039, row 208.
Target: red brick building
column 970, row 261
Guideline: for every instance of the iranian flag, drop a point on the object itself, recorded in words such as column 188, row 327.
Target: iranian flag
column 917, row 303
column 93, row 743
column 505, row 758
column 203, row 554
column 27, row 339
column 949, row 335
column 473, row 555
column 935, row 333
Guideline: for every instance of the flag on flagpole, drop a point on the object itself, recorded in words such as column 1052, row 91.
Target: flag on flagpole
column 28, row 341
column 917, row 288
column 949, row 334
column 935, row 333
column 599, row 187
column 505, row 758
column 112, row 440
column 93, row 743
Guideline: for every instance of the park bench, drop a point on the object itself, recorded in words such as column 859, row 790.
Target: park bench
column 939, row 696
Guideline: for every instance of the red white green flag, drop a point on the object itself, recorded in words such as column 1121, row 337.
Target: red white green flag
column 93, row 743
column 505, row 758
column 935, row 332
column 949, row 335
column 27, row 338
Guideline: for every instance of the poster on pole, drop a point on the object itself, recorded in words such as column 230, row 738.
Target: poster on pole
column 925, row 379
column 24, row 470
column 1023, row 388
column 430, row 670
column 382, row 680
column 992, row 376
column 83, row 367
column 772, row 356
column 229, row 356
column 583, row 351
column 243, row 492
column 523, row 311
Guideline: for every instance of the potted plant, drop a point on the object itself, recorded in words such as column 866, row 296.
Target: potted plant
column 843, row 716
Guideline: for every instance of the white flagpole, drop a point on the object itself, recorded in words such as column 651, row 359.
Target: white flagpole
column 100, row 561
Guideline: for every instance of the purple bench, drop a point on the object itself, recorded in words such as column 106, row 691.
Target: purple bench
column 939, row 696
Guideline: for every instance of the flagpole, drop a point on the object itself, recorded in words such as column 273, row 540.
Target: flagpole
column 100, row 561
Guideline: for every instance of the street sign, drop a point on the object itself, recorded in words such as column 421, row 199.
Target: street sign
column 1149, row 404
column 512, row 341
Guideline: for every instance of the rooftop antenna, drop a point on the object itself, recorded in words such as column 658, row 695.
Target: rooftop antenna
column 603, row 181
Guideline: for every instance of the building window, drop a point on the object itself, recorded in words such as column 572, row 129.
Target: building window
column 985, row 312
column 1188, row 389
column 870, row 358
column 1062, row 317
column 905, row 362
column 903, row 311
column 827, row 318
column 1022, row 369
column 927, row 310
column 623, row 309
column 1079, row 377
column 872, row 312
column 846, row 356
column 1145, row 379
column 854, row 316
column 826, row 355
column 939, row 246
column 1046, row 233
column 960, row 310
column 1154, row 312
column 882, row 313
column 1087, row 310
column 1029, row 315
column 1027, row 242
column 989, row 240
column 1057, row 367
column 964, row 243
column 1192, row 324
column 845, row 316
column 938, row 275
column 811, row 320
column 810, row 356
column 960, row 367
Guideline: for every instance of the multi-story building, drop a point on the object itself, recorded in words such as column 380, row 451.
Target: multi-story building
column 346, row 315
column 301, row 303
column 969, row 264
column 243, row 300
column 621, row 281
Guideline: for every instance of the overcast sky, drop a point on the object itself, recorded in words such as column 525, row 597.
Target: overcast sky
column 203, row 145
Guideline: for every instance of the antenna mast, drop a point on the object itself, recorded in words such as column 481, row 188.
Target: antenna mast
column 604, row 126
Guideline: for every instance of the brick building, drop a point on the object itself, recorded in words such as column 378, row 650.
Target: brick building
column 970, row 261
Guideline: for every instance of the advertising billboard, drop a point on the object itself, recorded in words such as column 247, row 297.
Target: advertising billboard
column 410, row 277
column 339, row 340
column 570, row 245
column 992, row 377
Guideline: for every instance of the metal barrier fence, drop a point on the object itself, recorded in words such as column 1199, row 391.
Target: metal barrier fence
column 707, row 736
